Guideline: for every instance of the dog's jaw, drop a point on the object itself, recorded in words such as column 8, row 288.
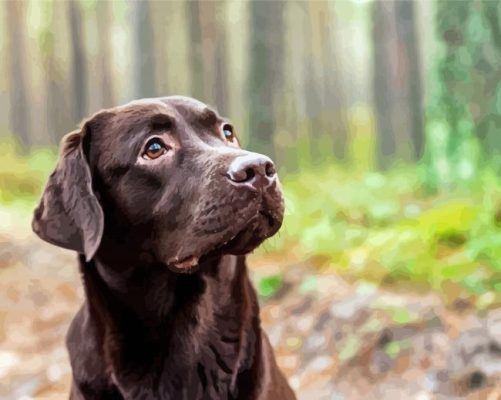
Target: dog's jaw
column 259, row 228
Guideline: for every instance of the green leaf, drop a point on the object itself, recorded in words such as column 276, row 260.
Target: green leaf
column 270, row 285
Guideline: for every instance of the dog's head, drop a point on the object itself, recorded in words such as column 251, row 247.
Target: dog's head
column 163, row 177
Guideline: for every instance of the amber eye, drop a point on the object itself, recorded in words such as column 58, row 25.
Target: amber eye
column 154, row 149
column 228, row 132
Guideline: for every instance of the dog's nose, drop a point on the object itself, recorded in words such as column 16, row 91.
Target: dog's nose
column 252, row 169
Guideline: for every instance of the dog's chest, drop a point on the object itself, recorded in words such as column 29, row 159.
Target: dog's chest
column 210, row 374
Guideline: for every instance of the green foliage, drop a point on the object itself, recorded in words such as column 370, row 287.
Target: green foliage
column 394, row 348
column 350, row 348
column 485, row 243
column 21, row 178
column 464, row 109
column 387, row 229
column 270, row 285
column 398, row 314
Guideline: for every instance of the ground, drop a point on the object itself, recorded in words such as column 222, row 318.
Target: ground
column 334, row 339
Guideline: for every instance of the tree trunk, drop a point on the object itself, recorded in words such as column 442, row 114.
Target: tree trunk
column 196, row 56
column 451, row 29
column 265, row 71
column 292, row 144
column 19, row 106
column 144, row 51
column 332, row 94
column 312, row 89
column 104, row 21
column 213, row 51
column 59, row 119
column 487, row 129
column 406, row 25
column 78, row 61
column 220, row 86
column 162, row 16
column 383, row 61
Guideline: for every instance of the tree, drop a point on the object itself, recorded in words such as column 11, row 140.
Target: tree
column 455, row 87
column 489, row 124
column 410, row 61
column 57, row 109
column 327, row 98
column 143, row 51
column 313, row 87
column 265, row 71
column 104, row 22
column 383, row 34
column 78, row 61
column 19, row 105
column 196, row 56
column 207, row 31
column 452, row 69
column 334, row 96
column 163, row 18
column 220, row 82
column 468, row 92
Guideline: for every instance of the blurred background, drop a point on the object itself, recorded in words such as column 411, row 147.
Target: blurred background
column 385, row 120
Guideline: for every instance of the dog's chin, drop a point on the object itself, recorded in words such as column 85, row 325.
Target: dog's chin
column 262, row 226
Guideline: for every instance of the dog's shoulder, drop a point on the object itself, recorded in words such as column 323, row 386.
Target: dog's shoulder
column 90, row 375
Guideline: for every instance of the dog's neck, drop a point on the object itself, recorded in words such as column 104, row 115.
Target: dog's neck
column 151, row 292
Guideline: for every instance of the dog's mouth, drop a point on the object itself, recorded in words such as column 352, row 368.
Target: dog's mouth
column 262, row 226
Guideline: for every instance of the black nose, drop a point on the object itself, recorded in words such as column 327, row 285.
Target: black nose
column 252, row 169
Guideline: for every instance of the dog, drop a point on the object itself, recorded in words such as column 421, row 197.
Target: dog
column 162, row 205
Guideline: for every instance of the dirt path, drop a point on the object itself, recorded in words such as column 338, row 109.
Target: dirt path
column 334, row 340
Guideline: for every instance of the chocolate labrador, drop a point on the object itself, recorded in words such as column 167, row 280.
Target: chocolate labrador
column 162, row 204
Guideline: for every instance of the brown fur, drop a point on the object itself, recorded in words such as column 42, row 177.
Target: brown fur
column 170, row 312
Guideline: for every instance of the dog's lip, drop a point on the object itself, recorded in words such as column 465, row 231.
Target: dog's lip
column 186, row 264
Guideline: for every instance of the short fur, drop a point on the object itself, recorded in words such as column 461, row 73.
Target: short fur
column 170, row 312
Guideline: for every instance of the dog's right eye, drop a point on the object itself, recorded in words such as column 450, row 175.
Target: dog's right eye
column 228, row 132
column 154, row 149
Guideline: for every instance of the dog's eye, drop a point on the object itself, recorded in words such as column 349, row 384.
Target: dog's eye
column 228, row 132
column 154, row 149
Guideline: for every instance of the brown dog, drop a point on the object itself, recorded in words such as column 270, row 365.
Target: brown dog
column 162, row 205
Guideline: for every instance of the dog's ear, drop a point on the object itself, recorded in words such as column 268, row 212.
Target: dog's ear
column 69, row 214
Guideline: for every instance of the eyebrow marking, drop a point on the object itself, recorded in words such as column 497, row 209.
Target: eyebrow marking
column 161, row 122
column 209, row 116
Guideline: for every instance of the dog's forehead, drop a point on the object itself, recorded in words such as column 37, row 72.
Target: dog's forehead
column 175, row 107
column 144, row 108
column 185, row 103
column 191, row 109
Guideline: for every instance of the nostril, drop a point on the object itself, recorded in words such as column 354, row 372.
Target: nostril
column 270, row 170
column 253, row 169
column 249, row 174
column 242, row 175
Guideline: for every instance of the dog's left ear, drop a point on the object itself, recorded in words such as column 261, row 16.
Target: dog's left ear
column 69, row 214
